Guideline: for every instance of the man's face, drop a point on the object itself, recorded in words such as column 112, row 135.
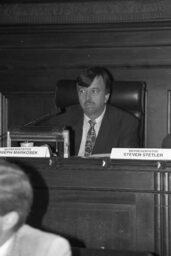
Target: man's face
column 93, row 98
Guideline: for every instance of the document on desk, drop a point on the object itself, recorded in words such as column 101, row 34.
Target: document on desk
column 157, row 154
column 39, row 152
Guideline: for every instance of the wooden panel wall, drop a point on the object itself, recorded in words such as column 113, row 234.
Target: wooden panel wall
column 33, row 58
column 116, row 206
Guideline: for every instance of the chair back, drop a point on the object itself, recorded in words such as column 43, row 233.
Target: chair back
column 127, row 95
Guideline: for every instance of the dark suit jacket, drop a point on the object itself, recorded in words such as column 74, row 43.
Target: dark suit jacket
column 166, row 143
column 118, row 129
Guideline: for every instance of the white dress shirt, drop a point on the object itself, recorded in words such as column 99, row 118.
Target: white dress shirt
column 5, row 249
column 86, row 127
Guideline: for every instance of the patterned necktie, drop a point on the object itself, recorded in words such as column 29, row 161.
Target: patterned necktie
column 91, row 138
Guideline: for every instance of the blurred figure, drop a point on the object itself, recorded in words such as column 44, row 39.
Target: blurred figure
column 17, row 238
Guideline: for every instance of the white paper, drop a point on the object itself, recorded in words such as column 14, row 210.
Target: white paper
column 24, row 152
column 141, row 154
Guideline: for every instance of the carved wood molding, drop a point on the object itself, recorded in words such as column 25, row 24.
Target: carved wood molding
column 89, row 27
column 85, row 12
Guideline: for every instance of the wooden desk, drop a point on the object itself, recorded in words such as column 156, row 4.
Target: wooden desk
column 95, row 203
column 100, row 252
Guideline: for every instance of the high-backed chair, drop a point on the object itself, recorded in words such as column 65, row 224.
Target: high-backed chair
column 127, row 95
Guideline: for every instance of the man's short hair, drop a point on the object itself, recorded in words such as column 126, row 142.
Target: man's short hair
column 88, row 75
column 16, row 192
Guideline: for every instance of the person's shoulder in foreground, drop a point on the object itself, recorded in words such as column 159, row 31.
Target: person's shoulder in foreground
column 17, row 238
column 36, row 242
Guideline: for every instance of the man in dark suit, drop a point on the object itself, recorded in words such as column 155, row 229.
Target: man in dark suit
column 113, row 127
column 17, row 238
